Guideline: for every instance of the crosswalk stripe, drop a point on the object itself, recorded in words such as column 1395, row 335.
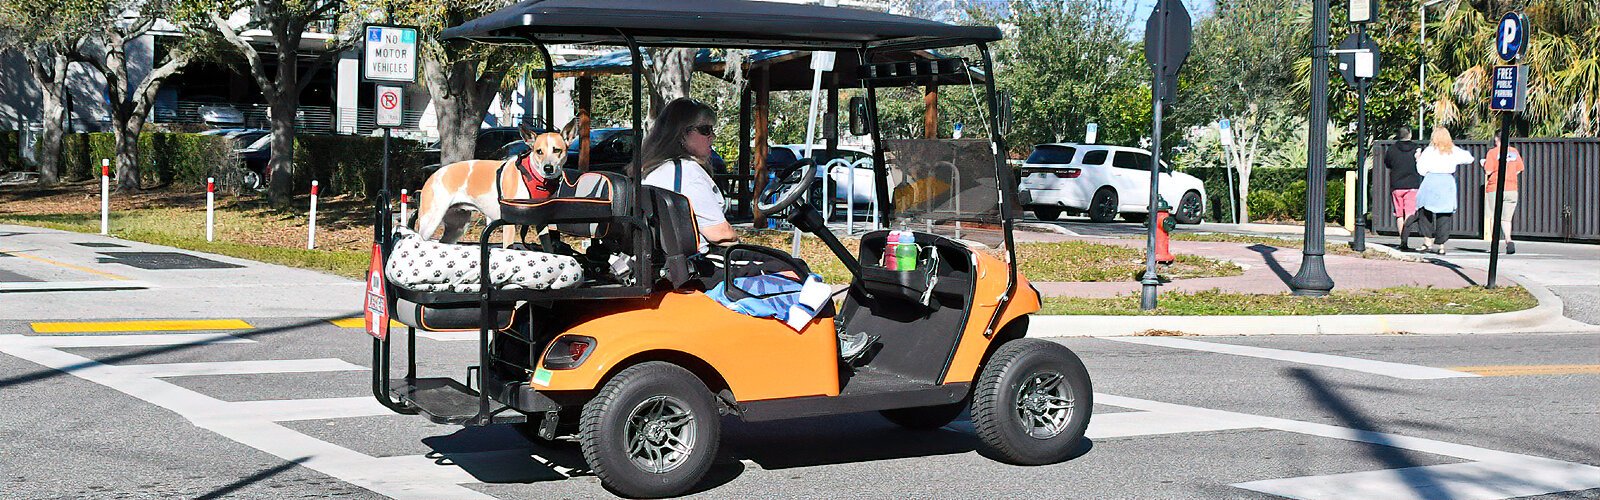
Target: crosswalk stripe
column 1396, row 370
column 162, row 325
column 240, row 367
column 1512, row 370
column 1144, row 423
column 284, row 410
column 1462, row 481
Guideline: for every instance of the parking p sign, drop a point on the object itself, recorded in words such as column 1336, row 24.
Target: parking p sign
column 390, row 54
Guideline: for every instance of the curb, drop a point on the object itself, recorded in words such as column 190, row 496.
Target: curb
column 1545, row 317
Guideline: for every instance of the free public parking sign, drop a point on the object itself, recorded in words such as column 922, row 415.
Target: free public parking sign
column 390, row 54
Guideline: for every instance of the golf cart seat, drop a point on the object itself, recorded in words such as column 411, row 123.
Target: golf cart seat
column 588, row 208
column 677, row 234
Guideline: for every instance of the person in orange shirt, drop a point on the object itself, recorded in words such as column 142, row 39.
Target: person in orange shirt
column 1491, row 171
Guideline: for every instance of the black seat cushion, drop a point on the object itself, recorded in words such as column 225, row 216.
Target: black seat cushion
column 677, row 234
column 586, row 208
column 450, row 317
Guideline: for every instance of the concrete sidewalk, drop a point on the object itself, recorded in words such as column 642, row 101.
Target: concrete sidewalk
column 47, row 274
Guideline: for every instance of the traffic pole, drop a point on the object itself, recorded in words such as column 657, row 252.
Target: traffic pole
column 311, row 233
column 1499, row 197
column 211, row 205
column 105, row 196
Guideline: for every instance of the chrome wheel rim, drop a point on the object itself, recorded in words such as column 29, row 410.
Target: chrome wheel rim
column 660, row 434
column 1044, row 405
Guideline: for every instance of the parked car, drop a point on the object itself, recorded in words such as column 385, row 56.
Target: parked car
column 494, row 143
column 215, row 111
column 783, row 155
column 1104, row 182
column 255, row 153
column 611, row 149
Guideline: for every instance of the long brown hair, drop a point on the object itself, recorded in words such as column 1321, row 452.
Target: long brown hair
column 665, row 140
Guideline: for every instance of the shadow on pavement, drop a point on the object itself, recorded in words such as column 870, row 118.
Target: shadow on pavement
column 1455, row 269
column 498, row 454
column 1266, row 252
column 224, row 491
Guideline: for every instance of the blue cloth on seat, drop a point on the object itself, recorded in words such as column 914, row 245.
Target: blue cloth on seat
column 773, row 296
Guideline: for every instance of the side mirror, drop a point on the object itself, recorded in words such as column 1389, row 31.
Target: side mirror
column 1004, row 113
column 859, row 124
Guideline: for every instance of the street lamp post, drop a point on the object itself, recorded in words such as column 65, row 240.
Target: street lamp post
column 1312, row 279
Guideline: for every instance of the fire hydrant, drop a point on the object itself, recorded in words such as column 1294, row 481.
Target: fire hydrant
column 1164, row 226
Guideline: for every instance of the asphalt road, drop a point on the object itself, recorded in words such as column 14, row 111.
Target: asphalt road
column 277, row 405
column 90, row 432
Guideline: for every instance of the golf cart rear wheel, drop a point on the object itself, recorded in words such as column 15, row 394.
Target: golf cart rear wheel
column 1103, row 207
column 652, row 431
column 925, row 417
column 1046, row 213
column 1032, row 402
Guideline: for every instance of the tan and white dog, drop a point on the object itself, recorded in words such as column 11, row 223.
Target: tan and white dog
column 455, row 190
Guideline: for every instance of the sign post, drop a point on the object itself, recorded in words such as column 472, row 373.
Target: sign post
column 389, row 56
column 1358, row 62
column 1225, row 134
column 1509, row 97
column 1167, row 36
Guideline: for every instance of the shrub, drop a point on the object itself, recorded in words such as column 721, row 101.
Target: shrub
column 10, row 151
column 1275, row 193
column 165, row 159
column 343, row 164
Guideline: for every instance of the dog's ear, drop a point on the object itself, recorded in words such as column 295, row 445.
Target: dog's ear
column 528, row 130
column 569, row 132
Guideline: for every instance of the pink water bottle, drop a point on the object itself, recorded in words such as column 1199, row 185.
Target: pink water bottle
column 889, row 260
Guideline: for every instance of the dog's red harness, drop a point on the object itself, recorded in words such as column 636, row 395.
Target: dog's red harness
column 539, row 187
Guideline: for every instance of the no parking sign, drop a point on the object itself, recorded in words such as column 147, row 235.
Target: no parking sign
column 389, row 102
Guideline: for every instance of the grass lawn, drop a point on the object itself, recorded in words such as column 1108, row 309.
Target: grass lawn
column 1397, row 300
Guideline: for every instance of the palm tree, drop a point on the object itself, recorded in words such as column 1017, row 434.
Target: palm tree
column 1563, row 56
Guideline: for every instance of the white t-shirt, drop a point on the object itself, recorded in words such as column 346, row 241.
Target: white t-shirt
column 1433, row 161
column 704, row 197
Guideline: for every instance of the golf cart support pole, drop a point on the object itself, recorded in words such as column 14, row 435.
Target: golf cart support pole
column 1008, row 196
column 880, row 170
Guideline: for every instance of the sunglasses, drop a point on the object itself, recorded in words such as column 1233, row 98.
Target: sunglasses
column 705, row 130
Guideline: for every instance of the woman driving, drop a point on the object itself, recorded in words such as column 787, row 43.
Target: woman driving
column 677, row 156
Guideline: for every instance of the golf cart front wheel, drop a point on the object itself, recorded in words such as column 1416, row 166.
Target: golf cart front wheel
column 652, row 431
column 1032, row 402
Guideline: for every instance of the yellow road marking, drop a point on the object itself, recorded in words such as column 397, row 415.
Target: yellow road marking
column 1513, row 370
column 68, row 266
column 360, row 322
column 160, row 325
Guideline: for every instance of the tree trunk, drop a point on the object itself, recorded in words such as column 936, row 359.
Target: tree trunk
column 460, row 98
column 127, row 151
column 669, row 72
column 49, row 71
column 280, row 168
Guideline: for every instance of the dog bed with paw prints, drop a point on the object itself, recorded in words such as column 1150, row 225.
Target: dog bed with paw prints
column 429, row 266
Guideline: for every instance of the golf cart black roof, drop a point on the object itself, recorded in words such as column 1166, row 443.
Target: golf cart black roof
column 714, row 23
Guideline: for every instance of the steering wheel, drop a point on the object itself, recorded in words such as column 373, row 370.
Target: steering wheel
column 792, row 186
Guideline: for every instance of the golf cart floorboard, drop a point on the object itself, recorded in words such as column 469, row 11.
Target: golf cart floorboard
column 446, row 401
column 867, row 390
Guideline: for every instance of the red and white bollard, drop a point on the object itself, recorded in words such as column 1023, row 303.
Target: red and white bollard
column 311, row 234
column 211, row 206
column 405, row 201
column 105, row 196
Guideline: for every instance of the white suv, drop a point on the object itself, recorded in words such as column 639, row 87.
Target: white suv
column 1104, row 181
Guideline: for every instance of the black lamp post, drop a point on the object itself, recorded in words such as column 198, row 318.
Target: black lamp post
column 1312, row 279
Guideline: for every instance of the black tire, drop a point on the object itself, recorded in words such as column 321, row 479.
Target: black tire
column 1135, row 217
column 1103, row 207
column 605, row 427
column 1046, row 213
column 924, row 418
column 828, row 205
column 1191, row 209
column 998, row 404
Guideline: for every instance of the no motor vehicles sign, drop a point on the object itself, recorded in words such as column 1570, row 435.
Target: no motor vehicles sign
column 390, row 54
